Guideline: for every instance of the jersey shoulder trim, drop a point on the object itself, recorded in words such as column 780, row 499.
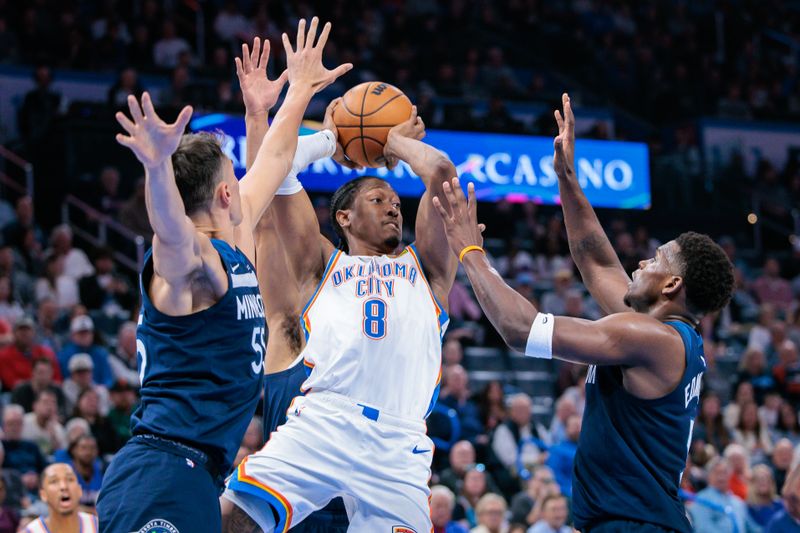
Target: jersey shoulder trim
column 305, row 322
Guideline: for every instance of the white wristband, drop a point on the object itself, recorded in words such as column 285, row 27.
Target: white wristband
column 540, row 339
column 310, row 148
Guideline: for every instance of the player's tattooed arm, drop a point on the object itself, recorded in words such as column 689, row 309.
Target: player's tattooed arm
column 239, row 522
column 434, row 168
column 591, row 250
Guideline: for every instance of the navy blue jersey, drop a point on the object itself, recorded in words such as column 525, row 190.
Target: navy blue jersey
column 280, row 388
column 201, row 373
column 632, row 452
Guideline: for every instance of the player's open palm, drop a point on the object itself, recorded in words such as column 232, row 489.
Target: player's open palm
column 151, row 139
column 258, row 92
column 564, row 144
column 460, row 217
column 304, row 62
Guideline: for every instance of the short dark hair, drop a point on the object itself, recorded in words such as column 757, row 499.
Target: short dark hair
column 197, row 163
column 343, row 199
column 707, row 273
column 41, row 361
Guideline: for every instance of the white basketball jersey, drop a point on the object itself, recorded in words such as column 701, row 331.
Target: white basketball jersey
column 374, row 332
column 88, row 524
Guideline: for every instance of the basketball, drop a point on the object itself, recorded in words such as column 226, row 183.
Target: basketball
column 363, row 120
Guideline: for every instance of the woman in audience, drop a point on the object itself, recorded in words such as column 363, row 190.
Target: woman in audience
column 472, row 488
column 87, row 408
column 54, row 284
column 788, row 426
column 744, row 395
column 491, row 405
column 762, row 500
column 709, row 426
column 752, row 434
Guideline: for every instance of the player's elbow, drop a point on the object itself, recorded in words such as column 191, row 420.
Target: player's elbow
column 443, row 168
column 515, row 333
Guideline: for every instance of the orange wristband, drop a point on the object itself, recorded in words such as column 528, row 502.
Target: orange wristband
column 469, row 249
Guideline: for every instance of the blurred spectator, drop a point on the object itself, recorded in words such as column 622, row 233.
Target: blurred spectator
column 9, row 519
column 230, row 25
column 709, row 426
column 76, row 427
column 20, row 454
column 123, row 400
column 84, row 460
column 46, row 317
column 442, row 503
column 76, row 263
column 167, row 49
column 40, row 108
column 123, row 361
column 462, row 459
column 88, row 408
column 786, row 521
column 512, row 440
column 14, row 232
column 456, row 395
column 472, row 489
column 753, row 369
column 770, row 409
column 55, row 285
column 555, row 301
column 42, row 426
column 744, row 395
column 127, row 84
column 787, row 371
column 10, row 308
column 759, row 336
column 452, row 352
column 492, row 406
column 16, row 360
column 524, row 508
column 106, row 198
column 565, row 408
column 80, row 380
column 490, row 511
column 106, row 289
column 738, row 460
column 771, row 288
column 21, row 283
column 762, row 498
column 554, row 516
column 752, row 434
column 562, row 456
column 714, row 505
column 462, row 305
column 6, row 333
column 140, row 51
column 82, row 340
column 26, row 392
column 133, row 213
column 788, row 426
column 781, row 460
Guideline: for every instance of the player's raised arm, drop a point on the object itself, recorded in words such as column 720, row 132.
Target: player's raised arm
column 176, row 252
column 591, row 250
column 624, row 339
column 434, row 168
column 307, row 76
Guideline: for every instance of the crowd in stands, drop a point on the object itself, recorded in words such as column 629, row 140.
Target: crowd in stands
column 68, row 362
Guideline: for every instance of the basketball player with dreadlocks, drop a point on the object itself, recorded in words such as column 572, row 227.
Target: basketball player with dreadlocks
column 373, row 321
column 646, row 357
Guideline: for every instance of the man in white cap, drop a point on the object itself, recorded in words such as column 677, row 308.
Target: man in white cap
column 82, row 340
column 81, row 369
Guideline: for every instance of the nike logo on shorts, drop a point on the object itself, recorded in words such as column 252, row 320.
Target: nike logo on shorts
column 415, row 451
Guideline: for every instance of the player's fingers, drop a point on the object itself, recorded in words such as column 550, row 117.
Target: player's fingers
column 440, row 209
column 262, row 62
column 282, row 79
column 472, row 203
column 147, row 107
column 340, row 70
column 569, row 117
column 323, row 37
column 136, row 111
column 254, row 53
column 124, row 140
column 301, row 34
column 449, row 194
column 287, row 45
column 183, row 118
column 559, row 120
column 481, row 228
column 239, row 68
column 334, row 104
column 125, row 122
column 312, row 33
column 245, row 58
column 413, row 117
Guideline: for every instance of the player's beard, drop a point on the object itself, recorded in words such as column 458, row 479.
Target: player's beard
column 392, row 242
column 640, row 303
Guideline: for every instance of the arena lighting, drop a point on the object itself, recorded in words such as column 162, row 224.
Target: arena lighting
column 752, row 218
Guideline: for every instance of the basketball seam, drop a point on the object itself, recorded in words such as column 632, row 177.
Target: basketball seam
column 361, row 119
column 368, row 126
column 376, row 141
column 384, row 104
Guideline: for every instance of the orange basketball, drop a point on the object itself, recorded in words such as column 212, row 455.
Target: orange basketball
column 367, row 112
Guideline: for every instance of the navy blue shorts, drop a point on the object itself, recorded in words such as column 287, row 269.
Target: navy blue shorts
column 625, row 526
column 330, row 519
column 157, row 486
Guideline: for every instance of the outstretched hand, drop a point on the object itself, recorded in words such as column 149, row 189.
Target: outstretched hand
column 413, row 128
column 564, row 144
column 329, row 124
column 461, row 219
column 258, row 92
column 152, row 140
column 304, row 62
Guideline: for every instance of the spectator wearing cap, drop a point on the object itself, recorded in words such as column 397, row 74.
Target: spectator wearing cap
column 16, row 359
column 80, row 379
column 123, row 400
column 82, row 340
column 442, row 503
column 123, row 361
column 25, row 393
column 42, row 425
column 788, row 520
